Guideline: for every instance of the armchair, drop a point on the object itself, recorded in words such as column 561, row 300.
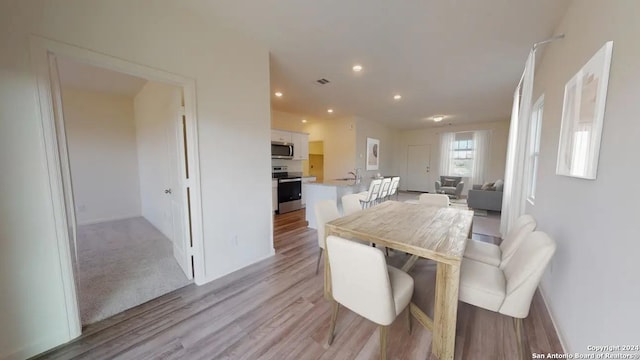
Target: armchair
column 450, row 185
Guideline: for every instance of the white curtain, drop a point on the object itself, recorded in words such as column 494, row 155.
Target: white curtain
column 446, row 147
column 514, row 196
column 480, row 156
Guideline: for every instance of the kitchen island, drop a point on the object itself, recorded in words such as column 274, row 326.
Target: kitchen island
column 329, row 190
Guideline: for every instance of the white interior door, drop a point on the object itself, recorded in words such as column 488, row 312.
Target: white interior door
column 177, row 191
column 419, row 168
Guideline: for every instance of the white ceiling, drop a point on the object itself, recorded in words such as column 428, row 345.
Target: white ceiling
column 457, row 57
column 87, row 77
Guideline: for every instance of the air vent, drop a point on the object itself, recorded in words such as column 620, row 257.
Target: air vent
column 322, row 81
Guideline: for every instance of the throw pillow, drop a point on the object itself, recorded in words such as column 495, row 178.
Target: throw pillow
column 449, row 182
column 486, row 186
column 499, row 185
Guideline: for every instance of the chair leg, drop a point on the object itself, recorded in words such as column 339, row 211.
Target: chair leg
column 519, row 337
column 318, row 264
column 383, row 341
column 334, row 318
column 408, row 310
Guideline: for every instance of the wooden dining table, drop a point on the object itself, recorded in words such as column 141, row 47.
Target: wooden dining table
column 424, row 231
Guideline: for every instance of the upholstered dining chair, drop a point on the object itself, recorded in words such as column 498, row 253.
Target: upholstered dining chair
column 326, row 210
column 362, row 282
column 499, row 255
column 393, row 189
column 351, row 204
column 370, row 197
column 509, row 290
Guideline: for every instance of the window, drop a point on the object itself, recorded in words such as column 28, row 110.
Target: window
column 462, row 155
column 533, row 148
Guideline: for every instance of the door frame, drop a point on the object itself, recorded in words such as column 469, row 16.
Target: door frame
column 42, row 52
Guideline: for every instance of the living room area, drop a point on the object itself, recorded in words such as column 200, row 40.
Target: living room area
column 465, row 162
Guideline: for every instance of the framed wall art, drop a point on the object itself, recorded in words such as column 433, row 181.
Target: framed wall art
column 373, row 154
column 585, row 95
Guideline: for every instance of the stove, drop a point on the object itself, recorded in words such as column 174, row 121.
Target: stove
column 281, row 172
column 289, row 189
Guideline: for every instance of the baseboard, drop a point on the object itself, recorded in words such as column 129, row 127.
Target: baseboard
column 39, row 347
column 114, row 218
column 210, row 279
column 553, row 320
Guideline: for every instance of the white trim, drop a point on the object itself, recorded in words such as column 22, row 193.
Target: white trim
column 553, row 320
column 40, row 65
column 254, row 262
column 41, row 50
column 110, row 218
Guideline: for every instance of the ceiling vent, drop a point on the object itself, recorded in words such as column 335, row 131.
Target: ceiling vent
column 322, row 81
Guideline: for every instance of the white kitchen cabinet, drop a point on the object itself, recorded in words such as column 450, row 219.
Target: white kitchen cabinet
column 300, row 146
column 281, row 136
column 305, row 180
column 274, row 195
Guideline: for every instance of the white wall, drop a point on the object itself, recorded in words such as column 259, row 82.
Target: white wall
column 387, row 136
column 431, row 136
column 151, row 112
column 232, row 77
column 101, row 138
column 591, row 284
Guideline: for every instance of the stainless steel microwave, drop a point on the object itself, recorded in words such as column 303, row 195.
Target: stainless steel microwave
column 281, row 150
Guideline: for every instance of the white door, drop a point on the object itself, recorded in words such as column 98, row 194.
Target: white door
column 177, row 190
column 419, row 168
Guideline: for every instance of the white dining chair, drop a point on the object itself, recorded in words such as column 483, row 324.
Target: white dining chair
column 369, row 197
column 362, row 282
column 351, row 204
column 499, row 255
column 393, row 189
column 325, row 210
column 431, row 199
column 508, row 291
column 384, row 189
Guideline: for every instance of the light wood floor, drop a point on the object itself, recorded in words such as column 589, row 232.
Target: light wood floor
column 275, row 310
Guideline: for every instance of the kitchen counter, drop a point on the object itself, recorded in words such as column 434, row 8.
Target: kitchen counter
column 329, row 190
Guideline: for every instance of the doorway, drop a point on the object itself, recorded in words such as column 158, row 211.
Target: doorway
column 418, row 168
column 182, row 216
column 125, row 154
column 316, row 160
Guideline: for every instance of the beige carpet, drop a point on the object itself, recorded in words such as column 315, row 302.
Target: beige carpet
column 122, row 264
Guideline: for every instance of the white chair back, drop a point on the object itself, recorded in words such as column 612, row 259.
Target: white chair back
column 374, row 191
column 384, row 188
column 351, row 204
column 360, row 279
column 393, row 189
column 523, row 226
column 434, row 199
column 326, row 210
column 524, row 271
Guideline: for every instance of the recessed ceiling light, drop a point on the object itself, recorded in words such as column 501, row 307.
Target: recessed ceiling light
column 357, row 68
column 330, row 111
column 397, row 97
column 438, row 118
column 304, row 121
column 278, row 94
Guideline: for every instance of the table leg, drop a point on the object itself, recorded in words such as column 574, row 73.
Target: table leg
column 327, row 279
column 445, row 311
column 327, row 271
column 410, row 263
